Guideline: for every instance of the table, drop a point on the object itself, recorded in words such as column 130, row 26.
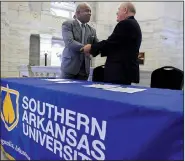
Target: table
column 43, row 119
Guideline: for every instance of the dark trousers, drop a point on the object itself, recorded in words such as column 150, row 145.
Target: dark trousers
column 71, row 76
column 80, row 76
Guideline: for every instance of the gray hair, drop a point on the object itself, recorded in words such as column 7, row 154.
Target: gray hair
column 131, row 8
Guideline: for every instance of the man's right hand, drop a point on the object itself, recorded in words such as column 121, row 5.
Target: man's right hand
column 87, row 49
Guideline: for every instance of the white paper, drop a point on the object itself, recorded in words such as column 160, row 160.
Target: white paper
column 133, row 90
column 102, row 86
column 118, row 89
column 61, row 81
column 126, row 90
column 68, row 82
column 55, row 80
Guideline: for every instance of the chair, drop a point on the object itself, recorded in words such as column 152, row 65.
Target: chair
column 167, row 77
column 98, row 74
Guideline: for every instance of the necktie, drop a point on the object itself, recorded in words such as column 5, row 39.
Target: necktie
column 83, row 33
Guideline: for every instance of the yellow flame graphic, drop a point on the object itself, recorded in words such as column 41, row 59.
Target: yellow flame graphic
column 8, row 111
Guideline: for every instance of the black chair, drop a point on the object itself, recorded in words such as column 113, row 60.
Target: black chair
column 167, row 77
column 98, row 74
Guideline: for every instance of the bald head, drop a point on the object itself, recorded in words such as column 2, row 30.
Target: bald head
column 83, row 12
column 81, row 6
column 130, row 7
column 125, row 10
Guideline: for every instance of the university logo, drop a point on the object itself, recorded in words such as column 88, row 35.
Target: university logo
column 9, row 107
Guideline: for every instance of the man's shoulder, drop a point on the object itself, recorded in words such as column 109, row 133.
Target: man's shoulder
column 68, row 22
column 128, row 22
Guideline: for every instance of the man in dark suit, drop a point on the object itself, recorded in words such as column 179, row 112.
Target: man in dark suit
column 121, row 48
column 76, row 33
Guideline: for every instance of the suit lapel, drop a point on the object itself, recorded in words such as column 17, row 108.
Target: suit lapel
column 77, row 28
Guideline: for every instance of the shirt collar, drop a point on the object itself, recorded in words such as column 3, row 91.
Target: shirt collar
column 80, row 22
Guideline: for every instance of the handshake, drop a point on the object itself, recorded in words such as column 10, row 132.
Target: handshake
column 86, row 49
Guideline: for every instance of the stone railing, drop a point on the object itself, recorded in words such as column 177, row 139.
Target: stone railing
column 39, row 71
column 52, row 71
column 43, row 71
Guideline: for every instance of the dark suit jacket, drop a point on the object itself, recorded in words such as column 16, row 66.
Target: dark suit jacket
column 121, row 49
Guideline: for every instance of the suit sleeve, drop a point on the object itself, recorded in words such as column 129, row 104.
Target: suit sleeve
column 119, row 37
column 95, row 39
column 68, row 38
column 95, row 52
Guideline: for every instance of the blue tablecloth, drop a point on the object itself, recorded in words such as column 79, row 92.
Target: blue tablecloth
column 45, row 120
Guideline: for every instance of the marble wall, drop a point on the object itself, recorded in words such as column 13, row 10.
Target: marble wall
column 161, row 24
column 162, row 28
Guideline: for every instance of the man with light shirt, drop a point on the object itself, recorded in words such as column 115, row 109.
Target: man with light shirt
column 77, row 33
